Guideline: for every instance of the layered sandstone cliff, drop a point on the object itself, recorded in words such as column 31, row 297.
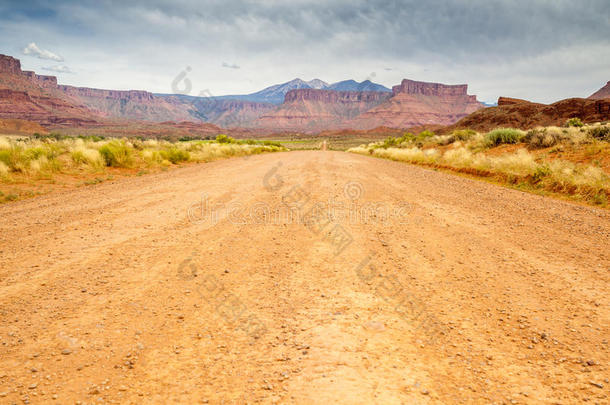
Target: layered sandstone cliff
column 40, row 98
column 229, row 113
column 10, row 65
column 420, row 103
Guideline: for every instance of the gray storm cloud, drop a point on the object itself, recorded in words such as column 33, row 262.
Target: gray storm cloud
column 537, row 49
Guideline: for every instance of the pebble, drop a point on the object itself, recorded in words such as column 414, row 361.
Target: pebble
column 33, row 386
column 66, row 351
column 596, row 384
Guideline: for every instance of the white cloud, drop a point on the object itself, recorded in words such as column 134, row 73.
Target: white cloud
column 229, row 66
column 58, row 69
column 34, row 50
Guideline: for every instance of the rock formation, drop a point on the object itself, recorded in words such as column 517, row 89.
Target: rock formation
column 10, row 65
column 20, row 127
column 515, row 113
column 419, row 103
column 602, row 93
column 311, row 110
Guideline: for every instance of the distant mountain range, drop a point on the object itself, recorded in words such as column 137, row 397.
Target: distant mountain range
column 275, row 94
column 294, row 106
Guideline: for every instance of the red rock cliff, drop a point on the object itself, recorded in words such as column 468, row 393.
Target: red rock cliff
column 430, row 89
column 312, row 110
column 138, row 95
column 45, row 81
column 9, row 65
column 420, row 103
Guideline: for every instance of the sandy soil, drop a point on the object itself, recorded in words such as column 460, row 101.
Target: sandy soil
column 423, row 287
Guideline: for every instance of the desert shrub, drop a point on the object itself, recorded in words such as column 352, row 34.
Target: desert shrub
column 222, row 138
column 425, row 134
column 460, row 157
column 86, row 156
column 189, row 138
column 3, row 169
column 116, row 154
column 543, row 138
column 463, row 134
column 137, row 144
column 44, row 165
column 34, row 153
column 518, row 163
column 151, row 143
column 390, row 142
column 4, row 143
column 541, row 172
column 443, row 139
column 91, row 138
column 503, row 135
column 14, row 158
column 574, row 122
column 151, row 157
column 601, row 133
column 175, row 155
column 408, row 154
column 266, row 143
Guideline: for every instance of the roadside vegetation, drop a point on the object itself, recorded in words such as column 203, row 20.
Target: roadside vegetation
column 573, row 160
column 25, row 160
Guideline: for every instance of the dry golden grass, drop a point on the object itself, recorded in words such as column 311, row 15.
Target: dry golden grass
column 26, row 160
column 520, row 166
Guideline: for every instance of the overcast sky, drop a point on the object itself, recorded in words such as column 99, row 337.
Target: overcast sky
column 541, row 50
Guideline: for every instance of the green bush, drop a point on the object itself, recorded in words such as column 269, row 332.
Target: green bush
column 574, row 122
column 463, row 134
column 117, row 154
column 541, row 138
column 600, row 133
column 175, row 155
column 14, row 158
column 268, row 143
column 390, row 142
column 503, row 135
column 222, row 138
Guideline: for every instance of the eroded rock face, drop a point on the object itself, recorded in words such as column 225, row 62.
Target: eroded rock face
column 332, row 96
column 44, row 110
column 136, row 95
column 410, row 104
column 430, row 89
column 10, row 65
column 16, row 126
column 522, row 114
column 419, row 103
column 311, row 110
column 39, row 98
column 602, row 93
column 42, row 80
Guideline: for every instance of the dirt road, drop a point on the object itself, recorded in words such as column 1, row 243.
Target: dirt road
column 303, row 277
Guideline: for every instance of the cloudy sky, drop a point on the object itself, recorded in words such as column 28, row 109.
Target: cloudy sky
column 541, row 50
